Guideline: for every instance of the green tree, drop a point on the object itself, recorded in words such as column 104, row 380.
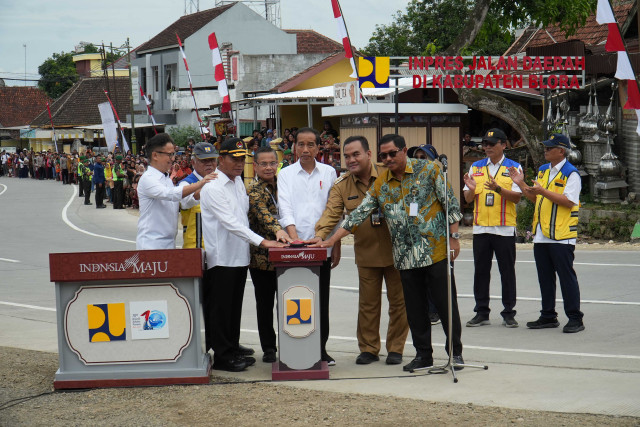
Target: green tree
column 181, row 134
column 57, row 74
column 472, row 27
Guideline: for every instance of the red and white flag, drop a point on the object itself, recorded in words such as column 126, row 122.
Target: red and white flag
column 218, row 69
column 53, row 130
column 148, row 104
column 624, row 70
column 344, row 37
column 186, row 66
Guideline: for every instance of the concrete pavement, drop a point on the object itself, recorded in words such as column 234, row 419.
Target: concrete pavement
column 595, row 371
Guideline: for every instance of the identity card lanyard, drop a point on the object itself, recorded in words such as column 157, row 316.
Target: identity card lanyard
column 274, row 202
column 488, row 199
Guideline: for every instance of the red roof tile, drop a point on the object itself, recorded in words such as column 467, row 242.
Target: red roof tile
column 184, row 27
column 310, row 41
column 78, row 106
column 591, row 33
column 20, row 105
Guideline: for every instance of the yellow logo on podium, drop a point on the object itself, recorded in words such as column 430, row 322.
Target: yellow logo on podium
column 298, row 311
column 374, row 71
column 107, row 322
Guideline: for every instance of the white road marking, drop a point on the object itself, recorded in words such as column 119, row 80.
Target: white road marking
column 5, row 189
column 508, row 350
column 33, row 307
column 585, row 301
column 533, row 262
column 70, row 224
column 8, row 260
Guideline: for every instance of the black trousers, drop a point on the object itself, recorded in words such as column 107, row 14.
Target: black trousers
column 100, row 191
column 325, row 281
column 118, row 194
column 80, row 187
column 419, row 285
column 65, row 176
column 265, row 286
column 484, row 246
column 552, row 258
column 223, row 295
column 86, row 188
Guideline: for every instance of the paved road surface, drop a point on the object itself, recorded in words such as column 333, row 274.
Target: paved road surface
column 595, row 371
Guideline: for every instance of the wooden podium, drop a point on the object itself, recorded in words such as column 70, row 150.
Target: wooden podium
column 129, row 318
column 299, row 355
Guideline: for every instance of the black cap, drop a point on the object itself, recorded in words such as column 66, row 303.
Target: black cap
column 233, row 147
column 495, row 135
column 558, row 140
column 205, row 150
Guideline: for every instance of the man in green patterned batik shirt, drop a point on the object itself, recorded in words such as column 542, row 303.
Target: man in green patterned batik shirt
column 263, row 220
column 411, row 194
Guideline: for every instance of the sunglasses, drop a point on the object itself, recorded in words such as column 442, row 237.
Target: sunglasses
column 391, row 154
column 488, row 144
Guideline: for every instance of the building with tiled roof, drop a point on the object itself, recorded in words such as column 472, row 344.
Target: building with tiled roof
column 256, row 54
column 20, row 105
column 78, row 106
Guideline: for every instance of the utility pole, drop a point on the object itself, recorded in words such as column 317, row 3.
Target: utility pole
column 134, row 145
column 25, row 63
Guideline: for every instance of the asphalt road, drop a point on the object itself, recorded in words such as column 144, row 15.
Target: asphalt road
column 595, row 371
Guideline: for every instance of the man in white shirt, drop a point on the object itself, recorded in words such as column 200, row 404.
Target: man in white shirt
column 488, row 185
column 225, row 205
column 159, row 199
column 303, row 191
column 556, row 194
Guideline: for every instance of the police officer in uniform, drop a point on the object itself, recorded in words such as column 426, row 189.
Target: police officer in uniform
column 489, row 186
column 80, row 178
column 556, row 194
column 373, row 255
column 86, row 180
column 119, row 173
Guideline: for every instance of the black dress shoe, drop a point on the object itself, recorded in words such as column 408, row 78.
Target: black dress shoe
column 326, row 358
column 394, row 358
column 269, row 356
column 249, row 361
column 101, row 207
column 418, row 362
column 245, row 351
column 88, row 203
column 366, row 358
column 232, row 365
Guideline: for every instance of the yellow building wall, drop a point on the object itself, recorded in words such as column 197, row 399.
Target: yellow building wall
column 337, row 73
column 296, row 116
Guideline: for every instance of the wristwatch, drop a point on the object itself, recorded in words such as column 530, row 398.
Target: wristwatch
column 498, row 189
column 454, row 235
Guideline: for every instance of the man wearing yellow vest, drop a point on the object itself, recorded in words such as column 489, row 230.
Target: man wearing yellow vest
column 494, row 195
column 203, row 160
column 556, row 194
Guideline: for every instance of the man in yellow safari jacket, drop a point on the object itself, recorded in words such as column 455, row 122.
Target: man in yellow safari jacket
column 556, row 194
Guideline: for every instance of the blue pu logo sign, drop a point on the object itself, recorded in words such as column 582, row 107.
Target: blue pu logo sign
column 107, row 322
column 299, row 311
column 374, row 71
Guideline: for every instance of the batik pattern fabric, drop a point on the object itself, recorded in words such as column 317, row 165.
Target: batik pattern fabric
column 420, row 240
column 263, row 219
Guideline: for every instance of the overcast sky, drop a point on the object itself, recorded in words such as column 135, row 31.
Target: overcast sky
column 47, row 26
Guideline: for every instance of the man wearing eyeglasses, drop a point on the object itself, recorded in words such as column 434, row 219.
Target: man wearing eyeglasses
column 488, row 185
column 556, row 194
column 412, row 196
column 263, row 220
column 159, row 199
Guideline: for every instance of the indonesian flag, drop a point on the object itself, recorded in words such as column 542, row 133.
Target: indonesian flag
column 184, row 58
column 342, row 35
column 218, row 71
column 624, row 70
column 148, row 104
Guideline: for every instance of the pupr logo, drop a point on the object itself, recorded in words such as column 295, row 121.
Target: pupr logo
column 107, row 322
column 374, row 71
column 299, row 311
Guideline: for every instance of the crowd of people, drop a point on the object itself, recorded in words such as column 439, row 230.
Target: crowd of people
column 395, row 209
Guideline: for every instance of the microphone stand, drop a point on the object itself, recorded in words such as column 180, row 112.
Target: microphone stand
column 441, row 369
